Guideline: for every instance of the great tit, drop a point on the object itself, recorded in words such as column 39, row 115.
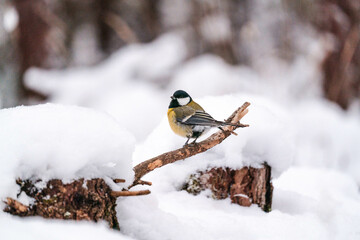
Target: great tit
column 188, row 119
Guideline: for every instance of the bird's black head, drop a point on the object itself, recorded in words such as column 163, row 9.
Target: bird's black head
column 179, row 98
column 180, row 94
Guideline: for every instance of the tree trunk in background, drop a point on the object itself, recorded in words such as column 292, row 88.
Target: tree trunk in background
column 32, row 34
column 9, row 73
column 341, row 66
column 213, row 29
column 139, row 18
column 31, row 38
column 128, row 21
column 244, row 186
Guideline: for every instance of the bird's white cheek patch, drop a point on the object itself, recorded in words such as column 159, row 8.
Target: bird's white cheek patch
column 183, row 101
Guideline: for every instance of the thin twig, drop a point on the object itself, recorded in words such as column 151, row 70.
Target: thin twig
column 142, row 182
column 129, row 193
column 118, row 180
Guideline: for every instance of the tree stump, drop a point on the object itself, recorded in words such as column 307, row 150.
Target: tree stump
column 78, row 200
column 244, row 186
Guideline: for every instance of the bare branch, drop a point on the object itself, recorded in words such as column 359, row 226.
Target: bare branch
column 192, row 149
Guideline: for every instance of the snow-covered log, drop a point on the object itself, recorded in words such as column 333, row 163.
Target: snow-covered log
column 244, row 186
column 78, row 200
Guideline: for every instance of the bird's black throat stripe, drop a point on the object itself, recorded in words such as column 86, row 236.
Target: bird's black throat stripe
column 174, row 103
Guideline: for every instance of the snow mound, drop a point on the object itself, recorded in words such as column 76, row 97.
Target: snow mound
column 54, row 141
column 307, row 204
column 38, row 228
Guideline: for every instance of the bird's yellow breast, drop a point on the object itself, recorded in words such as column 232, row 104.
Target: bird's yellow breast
column 178, row 128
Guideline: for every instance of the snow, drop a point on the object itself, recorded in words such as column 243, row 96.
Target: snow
column 307, row 204
column 84, row 48
column 120, row 85
column 10, row 19
column 311, row 145
column 215, row 28
column 65, row 142
column 241, row 195
column 174, row 13
column 38, row 228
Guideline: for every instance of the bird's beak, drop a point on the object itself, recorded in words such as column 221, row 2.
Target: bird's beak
column 172, row 97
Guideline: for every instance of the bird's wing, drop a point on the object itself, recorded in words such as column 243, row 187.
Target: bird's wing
column 200, row 118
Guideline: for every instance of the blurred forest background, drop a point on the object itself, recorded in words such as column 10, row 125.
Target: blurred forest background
column 54, row 34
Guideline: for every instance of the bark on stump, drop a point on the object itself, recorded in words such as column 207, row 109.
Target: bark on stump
column 244, row 186
column 78, row 200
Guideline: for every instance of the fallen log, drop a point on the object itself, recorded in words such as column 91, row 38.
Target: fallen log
column 244, row 186
column 79, row 200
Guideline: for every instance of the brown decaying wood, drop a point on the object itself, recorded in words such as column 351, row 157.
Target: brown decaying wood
column 79, row 200
column 244, row 186
column 252, row 185
column 16, row 207
column 192, row 149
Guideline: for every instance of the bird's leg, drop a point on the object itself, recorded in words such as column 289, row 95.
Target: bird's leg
column 186, row 143
column 221, row 129
column 194, row 142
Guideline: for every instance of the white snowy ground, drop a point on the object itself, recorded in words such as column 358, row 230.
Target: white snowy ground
column 312, row 145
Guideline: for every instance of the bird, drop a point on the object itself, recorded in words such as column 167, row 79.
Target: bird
column 188, row 119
